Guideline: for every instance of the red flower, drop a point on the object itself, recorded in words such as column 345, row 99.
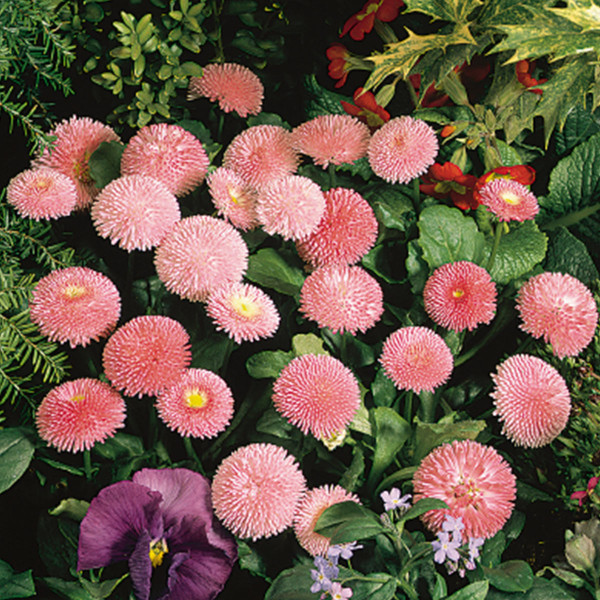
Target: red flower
column 445, row 180
column 523, row 174
column 362, row 22
column 366, row 109
column 523, row 71
column 584, row 494
column 433, row 98
column 340, row 66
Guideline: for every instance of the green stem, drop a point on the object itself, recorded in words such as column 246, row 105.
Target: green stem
column 332, row 177
column 191, row 452
column 572, row 218
column 497, row 238
column 87, row 464
column 408, row 406
column 416, row 196
column 385, row 32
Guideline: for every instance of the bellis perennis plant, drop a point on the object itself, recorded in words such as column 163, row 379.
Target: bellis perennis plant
column 326, row 356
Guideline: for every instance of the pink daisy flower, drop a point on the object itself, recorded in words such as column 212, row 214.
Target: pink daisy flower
column 317, row 393
column 311, row 507
column 146, row 355
column 346, row 232
column 402, row 149
column 198, row 404
column 342, row 298
column 234, row 86
column 233, row 199
column 199, row 255
column 509, row 200
column 75, row 141
column 476, row 483
column 291, row 206
column 243, row 311
column 75, row 305
column 135, row 212
column 460, row 295
column 169, row 153
column 559, row 308
column 261, row 154
column 42, row 193
column 416, row 358
column 256, row 490
column 532, row 400
column 77, row 414
column 334, row 139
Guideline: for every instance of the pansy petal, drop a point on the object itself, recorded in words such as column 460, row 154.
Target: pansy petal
column 113, row 523
column 140, row 567
column 198, row 574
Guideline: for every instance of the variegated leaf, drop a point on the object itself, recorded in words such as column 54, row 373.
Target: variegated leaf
column 455, row 11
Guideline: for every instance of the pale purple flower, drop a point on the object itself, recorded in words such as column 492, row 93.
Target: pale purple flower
column 328, row 565
column 338, row 592
column 392, row 499
column 321, row 581
column 453, row 526
column 445, row 548
column 345, row 551
column 162, row 517
column 474, row 545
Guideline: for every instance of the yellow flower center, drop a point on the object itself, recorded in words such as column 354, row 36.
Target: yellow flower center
column 458, row 293
column 196, row 398
column 42, row 184
column 78, row 398
column 233, row 194
column 158, row 549
column 245, row 307
column 510, row 198
column 73, row 291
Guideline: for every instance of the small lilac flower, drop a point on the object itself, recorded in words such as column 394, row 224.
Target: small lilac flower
column 339, row 593
column 327, row 566
column 452, row 525
column 321, row 581
column 392, row 499
column 345, row 551
column 161, row 521
column 445, row 548
column 474, row 545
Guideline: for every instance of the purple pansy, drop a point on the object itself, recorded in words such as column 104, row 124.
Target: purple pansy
column 162, row 523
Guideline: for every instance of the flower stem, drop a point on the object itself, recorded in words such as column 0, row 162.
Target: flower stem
column 191, row 452
column 87, row 464
column 332, row 177
column 497, row 238
column 408, row 403
column 416, row 196
column 572, row 218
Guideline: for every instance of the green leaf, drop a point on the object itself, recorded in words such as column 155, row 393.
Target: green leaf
column 105, row 163
column 510, row 576
column 573, row 193
column 473, row 591
column 71, row 508
column 348, row 522
column 16, row 452
column 456, row 11
column 276, row 270
column 211, row 351
column 15, row 585
column 420, row 507
column 268, row 364
column 508, row 11
column 521, row 249
column 542, row 589
column 101, row 589
column 67, row 589
column 567, row 254
column 250, row 560
column 579, row 126
column 291, row 584
column 447, row 235
column 430, row 435
column 321, row 101
column 120, row 445
column 383, row 389
column 391, row 433
column 392, row 205
column 307, row 343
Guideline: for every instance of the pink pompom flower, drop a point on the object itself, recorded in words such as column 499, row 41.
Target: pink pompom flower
column 42, row 193
column 135, row 212
column 146, row 355
column 198, row 404
column 261, row 154
column 532, row 400
column 560, row 309
column 460, row 295
column 168, row 153
column 76, row 139
column 311, row 507
column 345, row 233
column 332, row 139
column 75, row 305
column 77, row 414
column 233, row 199
column 342, row 298
column 402, row 149
column 243, row 311
column 199, row 255
column 291, row 206
column 256, row 490
column 476, row 483
column 233, row 86
column 509, row 200
column 417, row 359
column 317, row 393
